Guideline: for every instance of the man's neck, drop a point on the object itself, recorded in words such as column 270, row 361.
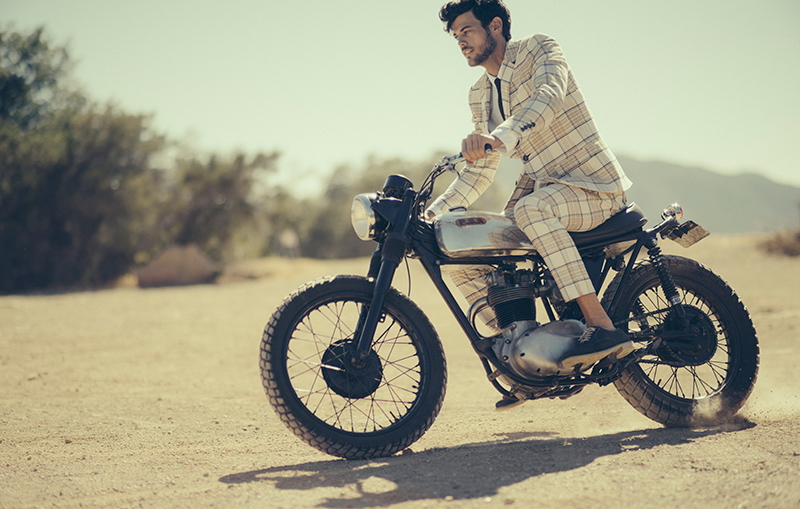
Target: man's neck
column 495, row 61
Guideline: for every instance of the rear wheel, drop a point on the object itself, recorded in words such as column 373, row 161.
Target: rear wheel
column 706, row 365
column 365, row 409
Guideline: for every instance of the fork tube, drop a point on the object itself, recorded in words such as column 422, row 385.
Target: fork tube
column 392, row 252
column 382, row 285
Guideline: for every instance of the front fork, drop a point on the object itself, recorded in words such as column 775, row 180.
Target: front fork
column 382, row 267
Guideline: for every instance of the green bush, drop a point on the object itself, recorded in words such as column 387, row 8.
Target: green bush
column 211, row 201
column 81, row 199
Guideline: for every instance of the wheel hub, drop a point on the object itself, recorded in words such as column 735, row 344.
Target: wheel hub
column 344, row 377
column 699, row 344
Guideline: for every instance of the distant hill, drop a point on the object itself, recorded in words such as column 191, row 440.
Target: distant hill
column 745, row 203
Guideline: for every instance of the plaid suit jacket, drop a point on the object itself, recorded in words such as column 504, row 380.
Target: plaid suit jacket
column 558, row 140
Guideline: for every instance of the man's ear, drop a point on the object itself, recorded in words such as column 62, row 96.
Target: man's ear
column 496, row 24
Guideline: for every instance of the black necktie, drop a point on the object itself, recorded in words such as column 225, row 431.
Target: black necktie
column 500, row 98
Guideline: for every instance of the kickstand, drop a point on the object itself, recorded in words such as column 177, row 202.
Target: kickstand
column 507, row 403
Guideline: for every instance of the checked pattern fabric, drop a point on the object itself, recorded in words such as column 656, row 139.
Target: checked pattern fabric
column 570, row 180
column 547, row 216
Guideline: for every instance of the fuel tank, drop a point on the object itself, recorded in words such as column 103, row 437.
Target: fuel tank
column 463, row 234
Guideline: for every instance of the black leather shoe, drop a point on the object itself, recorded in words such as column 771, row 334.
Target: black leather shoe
column 595, row 344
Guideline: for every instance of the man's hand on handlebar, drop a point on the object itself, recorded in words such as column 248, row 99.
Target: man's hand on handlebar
column 473, row 147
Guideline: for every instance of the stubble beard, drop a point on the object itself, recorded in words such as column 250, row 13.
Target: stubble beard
column 486, row 51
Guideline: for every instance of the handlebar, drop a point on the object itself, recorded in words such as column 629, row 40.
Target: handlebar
column 448, row 161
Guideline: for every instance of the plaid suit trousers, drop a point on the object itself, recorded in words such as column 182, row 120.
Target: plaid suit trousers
column 547, row 215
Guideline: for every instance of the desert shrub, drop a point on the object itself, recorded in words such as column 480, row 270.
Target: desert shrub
column 76, row 198
column 784, row 243
column 76, row 189
column 211, row 201
column 82, row 199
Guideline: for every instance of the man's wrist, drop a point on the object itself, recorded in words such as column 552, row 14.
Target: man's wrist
column 508, row 139
column 435, row 209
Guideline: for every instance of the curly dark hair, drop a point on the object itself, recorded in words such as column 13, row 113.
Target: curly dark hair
column 484, row 10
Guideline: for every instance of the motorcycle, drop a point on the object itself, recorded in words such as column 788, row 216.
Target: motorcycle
column 356, row 369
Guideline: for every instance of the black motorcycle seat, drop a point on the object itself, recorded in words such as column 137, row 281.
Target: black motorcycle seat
column 627, row 220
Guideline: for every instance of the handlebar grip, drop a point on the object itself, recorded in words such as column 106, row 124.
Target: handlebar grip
column 460, row 157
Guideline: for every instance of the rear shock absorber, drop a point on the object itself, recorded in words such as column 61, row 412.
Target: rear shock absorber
column 667, row 283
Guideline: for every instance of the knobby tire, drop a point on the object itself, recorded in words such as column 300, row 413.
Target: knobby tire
column 704, row 380
column 376, row 412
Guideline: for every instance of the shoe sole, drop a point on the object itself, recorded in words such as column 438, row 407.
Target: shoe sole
column 620, row 350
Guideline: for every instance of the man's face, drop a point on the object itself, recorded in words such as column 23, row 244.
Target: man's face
column 475, row 42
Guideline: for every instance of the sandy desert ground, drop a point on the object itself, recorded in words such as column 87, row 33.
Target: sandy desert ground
column 151, row 398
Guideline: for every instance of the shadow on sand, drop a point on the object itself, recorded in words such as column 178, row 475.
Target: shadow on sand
column 439, row 473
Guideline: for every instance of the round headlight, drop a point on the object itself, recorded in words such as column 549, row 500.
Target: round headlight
column 362, row 216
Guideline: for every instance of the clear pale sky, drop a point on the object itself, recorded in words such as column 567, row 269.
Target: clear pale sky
column 713, row 83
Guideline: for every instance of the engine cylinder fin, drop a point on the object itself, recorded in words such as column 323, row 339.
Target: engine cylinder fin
column 512, row 304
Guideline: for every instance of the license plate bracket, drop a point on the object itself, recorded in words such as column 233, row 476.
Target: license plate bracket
column 687, row 234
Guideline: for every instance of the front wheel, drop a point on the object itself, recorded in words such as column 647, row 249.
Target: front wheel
column 706, row 364
column 355, row 410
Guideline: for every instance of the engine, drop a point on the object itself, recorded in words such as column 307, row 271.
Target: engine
column 530, row 350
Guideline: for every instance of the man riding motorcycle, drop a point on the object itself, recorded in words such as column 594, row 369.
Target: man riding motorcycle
column 527, row 105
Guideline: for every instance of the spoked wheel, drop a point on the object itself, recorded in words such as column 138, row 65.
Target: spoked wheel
column 707, row 362
column 342, row 405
